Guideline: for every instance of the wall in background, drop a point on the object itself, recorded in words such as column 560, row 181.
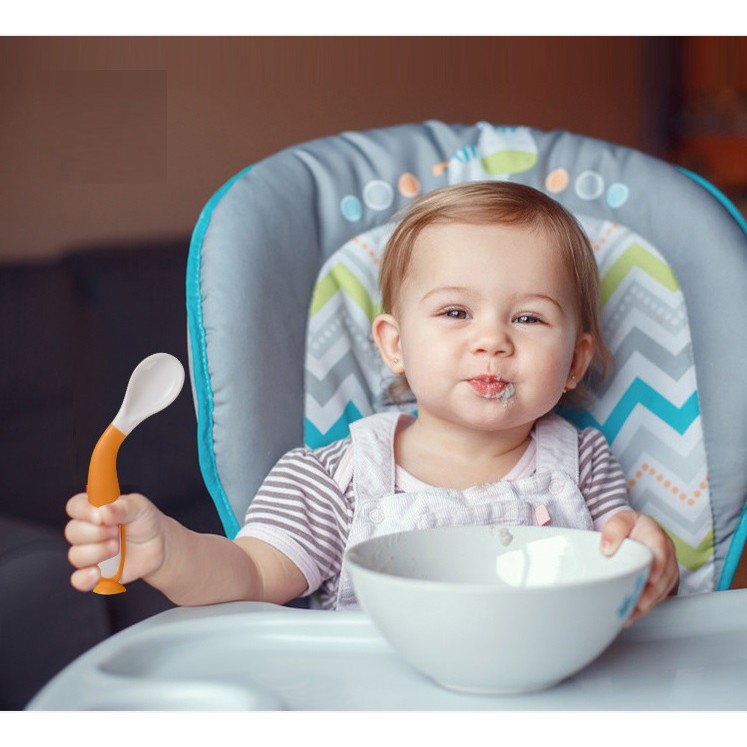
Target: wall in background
column 710, row 128
column 107, row 139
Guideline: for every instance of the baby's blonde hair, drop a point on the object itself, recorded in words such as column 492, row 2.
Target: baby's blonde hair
column 506, row 204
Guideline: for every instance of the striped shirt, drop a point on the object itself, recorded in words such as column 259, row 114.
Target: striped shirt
column 304, row 507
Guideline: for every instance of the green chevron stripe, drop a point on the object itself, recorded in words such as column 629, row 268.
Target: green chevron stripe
column 636, row 256
column 340, row 278
column 692, row 557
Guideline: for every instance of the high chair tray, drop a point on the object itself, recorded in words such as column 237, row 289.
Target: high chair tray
column 689, row 654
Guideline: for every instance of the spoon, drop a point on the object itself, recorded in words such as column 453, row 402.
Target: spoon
column 154, row 385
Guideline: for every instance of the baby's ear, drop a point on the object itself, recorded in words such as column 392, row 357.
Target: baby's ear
column 582, row 356
column 385, row 331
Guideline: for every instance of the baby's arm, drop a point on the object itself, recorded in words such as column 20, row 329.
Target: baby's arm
column 188, row 567
column 209, row 569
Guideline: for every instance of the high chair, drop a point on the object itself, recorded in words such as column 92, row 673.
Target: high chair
column 282, row 287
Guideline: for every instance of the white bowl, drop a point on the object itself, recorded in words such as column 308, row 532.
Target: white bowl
column 497, row 610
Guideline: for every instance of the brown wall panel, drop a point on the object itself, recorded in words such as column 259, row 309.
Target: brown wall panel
column 127, row 138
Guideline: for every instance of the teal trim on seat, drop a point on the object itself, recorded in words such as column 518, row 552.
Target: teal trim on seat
column 739, row 538
column 720, row 196
column 733, row 555
column 201, row 375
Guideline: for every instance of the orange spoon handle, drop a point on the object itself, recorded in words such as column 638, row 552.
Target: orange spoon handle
column 103, row 488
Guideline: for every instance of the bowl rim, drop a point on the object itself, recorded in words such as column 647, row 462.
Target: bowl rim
column 638, row 566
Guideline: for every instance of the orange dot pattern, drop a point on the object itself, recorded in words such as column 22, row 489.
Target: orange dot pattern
column 602, row 240
column 647, row 471
column 367, row 248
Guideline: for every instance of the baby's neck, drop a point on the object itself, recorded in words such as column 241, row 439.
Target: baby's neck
column 452, row 458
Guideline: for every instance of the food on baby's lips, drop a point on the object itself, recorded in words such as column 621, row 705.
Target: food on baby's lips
column 493, row 387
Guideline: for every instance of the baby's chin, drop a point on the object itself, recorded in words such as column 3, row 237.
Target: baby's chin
column 495, row 417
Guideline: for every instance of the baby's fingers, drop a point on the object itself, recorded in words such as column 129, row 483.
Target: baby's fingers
column 121, row 511
column 652, row 595
column 84, row 532
column 79, row 507
column 662, row 582
column 616, row 530
column 664, row 575
column 83, row 556
column 126, row 509
column 85, row 579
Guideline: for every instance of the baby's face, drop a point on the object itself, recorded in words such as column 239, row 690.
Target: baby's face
column 488, row 334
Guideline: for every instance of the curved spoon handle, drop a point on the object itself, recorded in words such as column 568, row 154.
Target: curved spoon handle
column 103, row 488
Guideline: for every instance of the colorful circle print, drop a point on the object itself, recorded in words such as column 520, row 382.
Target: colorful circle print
column 351, row 208
column 589, row 185
column 617, row 194
column 408, row 185
column 557, row 180
column 378, row 195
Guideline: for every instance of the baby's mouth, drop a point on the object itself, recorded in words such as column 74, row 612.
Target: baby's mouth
column 491, row 387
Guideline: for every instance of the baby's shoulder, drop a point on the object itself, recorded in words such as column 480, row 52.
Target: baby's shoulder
column 325, row 458
column 595, row 457
column 588, row 436
column 591, row 438
column 331, row 455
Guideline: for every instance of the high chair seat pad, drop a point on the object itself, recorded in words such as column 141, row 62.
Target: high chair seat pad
column 282, row 287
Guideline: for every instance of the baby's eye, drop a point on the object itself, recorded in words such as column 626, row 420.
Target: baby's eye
column 455, row 313
column 528, row 319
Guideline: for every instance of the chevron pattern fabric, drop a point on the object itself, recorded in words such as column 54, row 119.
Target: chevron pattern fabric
column 648, row 410
column 345, row 378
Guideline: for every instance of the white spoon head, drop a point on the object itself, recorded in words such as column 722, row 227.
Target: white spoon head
column 154, row 385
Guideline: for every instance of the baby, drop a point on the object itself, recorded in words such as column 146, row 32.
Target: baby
column 490, row 309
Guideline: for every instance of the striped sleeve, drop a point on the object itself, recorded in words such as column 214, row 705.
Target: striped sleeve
column 300, row 510
column 601, row 479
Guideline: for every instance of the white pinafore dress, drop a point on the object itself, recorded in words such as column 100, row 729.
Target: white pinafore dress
column 550, row 495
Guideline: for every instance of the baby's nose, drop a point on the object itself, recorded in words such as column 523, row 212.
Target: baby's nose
column 493, row 340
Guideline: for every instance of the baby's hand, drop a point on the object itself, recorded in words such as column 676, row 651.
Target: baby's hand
column 94, row 535
column 664, row 576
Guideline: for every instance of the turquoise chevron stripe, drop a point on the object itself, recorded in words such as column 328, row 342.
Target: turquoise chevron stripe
column 639, row 393
column 315, row 438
